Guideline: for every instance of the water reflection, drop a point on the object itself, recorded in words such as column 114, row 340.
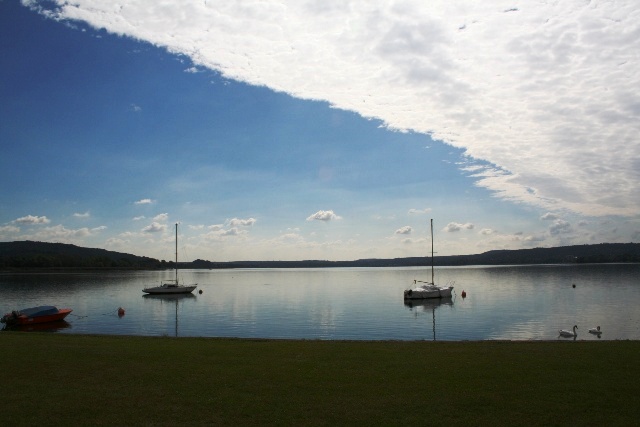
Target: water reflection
column 40, row 327
column 427, row 305
column 173, row 299
column 502, row 303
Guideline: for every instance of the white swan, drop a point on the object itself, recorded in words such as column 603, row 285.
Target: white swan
column 596, row 330
column 565, row 333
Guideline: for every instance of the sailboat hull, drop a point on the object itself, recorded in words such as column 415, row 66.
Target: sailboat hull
column 446, row 292
column 169, row 289
column 428, row 292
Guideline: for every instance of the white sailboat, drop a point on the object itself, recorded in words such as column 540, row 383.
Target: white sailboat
column 428, row 289
column 171, row 286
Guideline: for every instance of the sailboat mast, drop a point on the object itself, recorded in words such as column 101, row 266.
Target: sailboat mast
column 176, row 253
column 432, row 281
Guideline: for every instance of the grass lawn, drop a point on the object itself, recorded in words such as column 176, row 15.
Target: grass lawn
column 53, row 379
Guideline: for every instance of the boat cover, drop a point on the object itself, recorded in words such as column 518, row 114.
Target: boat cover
column 43, row 310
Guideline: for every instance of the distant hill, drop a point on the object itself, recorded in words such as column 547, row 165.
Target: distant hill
column 28, row 255
column 600, row 253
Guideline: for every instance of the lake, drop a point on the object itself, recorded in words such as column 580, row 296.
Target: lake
column 502, row 302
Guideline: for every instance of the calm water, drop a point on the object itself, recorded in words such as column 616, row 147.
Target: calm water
column 514, row 302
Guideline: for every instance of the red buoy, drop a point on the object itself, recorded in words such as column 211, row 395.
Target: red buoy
column 464, row 294
column 120, row 311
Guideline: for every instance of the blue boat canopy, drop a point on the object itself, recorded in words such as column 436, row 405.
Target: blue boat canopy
column 43, row 310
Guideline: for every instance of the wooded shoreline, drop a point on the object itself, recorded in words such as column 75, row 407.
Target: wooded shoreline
column 28, row 255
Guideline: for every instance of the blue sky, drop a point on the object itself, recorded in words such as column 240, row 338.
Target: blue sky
column 302, row 130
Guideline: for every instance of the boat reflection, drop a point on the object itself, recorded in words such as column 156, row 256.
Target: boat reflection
column 426, row 305
column 55, row 326
column 170, row 298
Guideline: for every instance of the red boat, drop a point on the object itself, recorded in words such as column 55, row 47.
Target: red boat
column 29, row 316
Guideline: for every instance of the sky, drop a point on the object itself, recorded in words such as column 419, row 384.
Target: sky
column 328, row 129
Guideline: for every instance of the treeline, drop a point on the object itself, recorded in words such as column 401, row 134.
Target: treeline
column 599, row 253
column 35, row 255
column 398, row 262
column 41, row 255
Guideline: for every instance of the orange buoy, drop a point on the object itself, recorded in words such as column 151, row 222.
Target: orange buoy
column 120, row 311
column 464, row 294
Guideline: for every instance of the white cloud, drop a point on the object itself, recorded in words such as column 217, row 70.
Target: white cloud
column 454, row 226
column 419, row 211
column 161, row 217
column 559, row 226
column 144, row 202
column 138, row 218
column 241, row 222
column 487, row 231
column 31, row 219
column 81, row 215
column 9, row 229
column 546, row 92
column 114, row 242
column 404, row 230
column 230, row 232
column 534, row 239
column 323, row 216
column 59, row 233
column 154, row 227
column 217, row 232
column 290, row 237
column 549, row 216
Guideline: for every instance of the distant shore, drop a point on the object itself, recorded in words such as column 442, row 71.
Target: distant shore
column 27, row 255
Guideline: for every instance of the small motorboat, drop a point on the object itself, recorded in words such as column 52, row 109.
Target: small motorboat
column 40, row 314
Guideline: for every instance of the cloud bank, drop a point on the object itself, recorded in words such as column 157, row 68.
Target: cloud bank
column 452, row 227
column 32, row 219
column 545, row 92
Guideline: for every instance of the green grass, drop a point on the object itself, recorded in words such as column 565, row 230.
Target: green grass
column 106, row 380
